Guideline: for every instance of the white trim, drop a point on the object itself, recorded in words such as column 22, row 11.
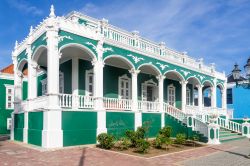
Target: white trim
column 171, row 86
column 188, row 96
column 9, row 123
column 7, row 88
column 87, row 83
column 126, row 79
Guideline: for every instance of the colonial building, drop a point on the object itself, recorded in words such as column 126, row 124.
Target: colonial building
column 94, row 77
column 7, row 97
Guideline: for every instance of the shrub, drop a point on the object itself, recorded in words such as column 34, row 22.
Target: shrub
column 168, row 142
column 195, row 138
column 134, row 136
column 180, row 139
column 105, row 140
column 124, row 143
column 166, row 131
column 142, row 146
column 159, row 141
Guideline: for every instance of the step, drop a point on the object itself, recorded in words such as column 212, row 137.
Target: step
column 228, row 134
column 231, row 138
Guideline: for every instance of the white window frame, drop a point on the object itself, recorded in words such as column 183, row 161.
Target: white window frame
column 44, row 86
column 188, row 96
column 61, row 82
column 124, row 78
column 171, row 86
column 9, row 123
column 144, row 92
column 11, row 87
column 87, row 83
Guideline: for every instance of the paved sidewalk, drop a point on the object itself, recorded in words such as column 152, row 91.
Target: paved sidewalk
column 234, row 157
column 12, row 153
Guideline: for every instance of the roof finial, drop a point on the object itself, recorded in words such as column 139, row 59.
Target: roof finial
column 16, row 44
column 31, row 30
column 52, row 11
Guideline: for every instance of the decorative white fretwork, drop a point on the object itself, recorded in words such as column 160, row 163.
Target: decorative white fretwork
column 135, row 58
column 185, row 72
column 95, row 48
column 61, row 38
column 201, row 77
column 162, row 66
column 108, row 49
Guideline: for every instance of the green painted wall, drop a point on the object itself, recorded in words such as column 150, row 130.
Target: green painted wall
column 110, row 80
column 6, row 113
column 83, row 66
column 238, row 120
column 35, row 127
column 66, row 68
column 118, row 122
column 18, row 126
column 153, row 121
column 79, row 128
column 177, row 86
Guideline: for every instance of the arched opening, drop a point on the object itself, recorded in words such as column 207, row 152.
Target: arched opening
column 172, row 88
column 207, row 93
column 219, row 95
column 76, row 70
column 117, row 81
column 148, row 90
column 192, row 91
column 22, row 88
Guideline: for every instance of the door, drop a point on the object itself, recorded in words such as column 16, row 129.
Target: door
column 171, row 95
column 124, row 89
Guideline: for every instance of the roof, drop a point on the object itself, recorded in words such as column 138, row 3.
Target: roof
column 10, row 70
column 230, row 78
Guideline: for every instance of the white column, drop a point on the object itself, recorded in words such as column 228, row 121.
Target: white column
column 183, row 95
column 98, row 90
column 75, row 80
column 161, row 98
column 52, row 129
column 193, row 95
column 214, row 95
column 200, row 101
column 224, row 96
column 134, row 74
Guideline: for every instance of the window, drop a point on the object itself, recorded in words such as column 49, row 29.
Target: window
column 89, row 86
column 124, row 87
column 9, row 123
column 149, row 91
column 229, row 96
column 9, row 96
column 171, row 95
column 188, row 97
column 44, row 86
column 61, row 84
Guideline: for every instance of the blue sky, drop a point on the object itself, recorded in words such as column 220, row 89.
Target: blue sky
column 216, row 30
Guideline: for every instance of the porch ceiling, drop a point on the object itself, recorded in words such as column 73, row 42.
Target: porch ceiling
column 70, row 52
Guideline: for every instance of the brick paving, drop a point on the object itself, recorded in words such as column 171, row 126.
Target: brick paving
column 12, row 153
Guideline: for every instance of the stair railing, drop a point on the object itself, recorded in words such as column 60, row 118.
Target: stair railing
column 230, row 125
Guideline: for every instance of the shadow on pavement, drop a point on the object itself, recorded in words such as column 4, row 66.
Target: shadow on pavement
column 230, row 152
column 81, row 162
column 4, row 137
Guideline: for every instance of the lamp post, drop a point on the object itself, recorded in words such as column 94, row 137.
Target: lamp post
column 241, row 81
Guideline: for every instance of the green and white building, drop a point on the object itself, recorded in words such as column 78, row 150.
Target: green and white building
column 86, row 77
column 7, row 97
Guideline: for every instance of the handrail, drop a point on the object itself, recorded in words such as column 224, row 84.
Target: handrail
column 230, row 125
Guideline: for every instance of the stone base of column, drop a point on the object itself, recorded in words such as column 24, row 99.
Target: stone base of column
column 246, row 129
column 101, row 122
column 52, row 134
column 52, row 138
column 12, row 126
column 162, row 120
column 138, row 120
column 25, row 135
column 213, row 134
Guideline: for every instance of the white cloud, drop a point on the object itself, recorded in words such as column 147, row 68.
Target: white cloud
column 24, row 6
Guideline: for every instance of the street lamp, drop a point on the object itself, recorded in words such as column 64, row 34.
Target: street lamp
column 241, row 81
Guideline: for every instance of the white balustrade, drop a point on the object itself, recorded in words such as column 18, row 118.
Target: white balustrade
column 173, row 111
column 65, row 100
column 148, row 106
column 117, row 104
column 230, row 125
column 85, row 101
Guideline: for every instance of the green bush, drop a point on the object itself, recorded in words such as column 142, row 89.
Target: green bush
column 194, row 139
column 180, row 139
column 134, row 136
column 166, row 131
column 159, row 141
column 168, row 142
column 124, row 143
column 142, row 146
column 105, row 140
